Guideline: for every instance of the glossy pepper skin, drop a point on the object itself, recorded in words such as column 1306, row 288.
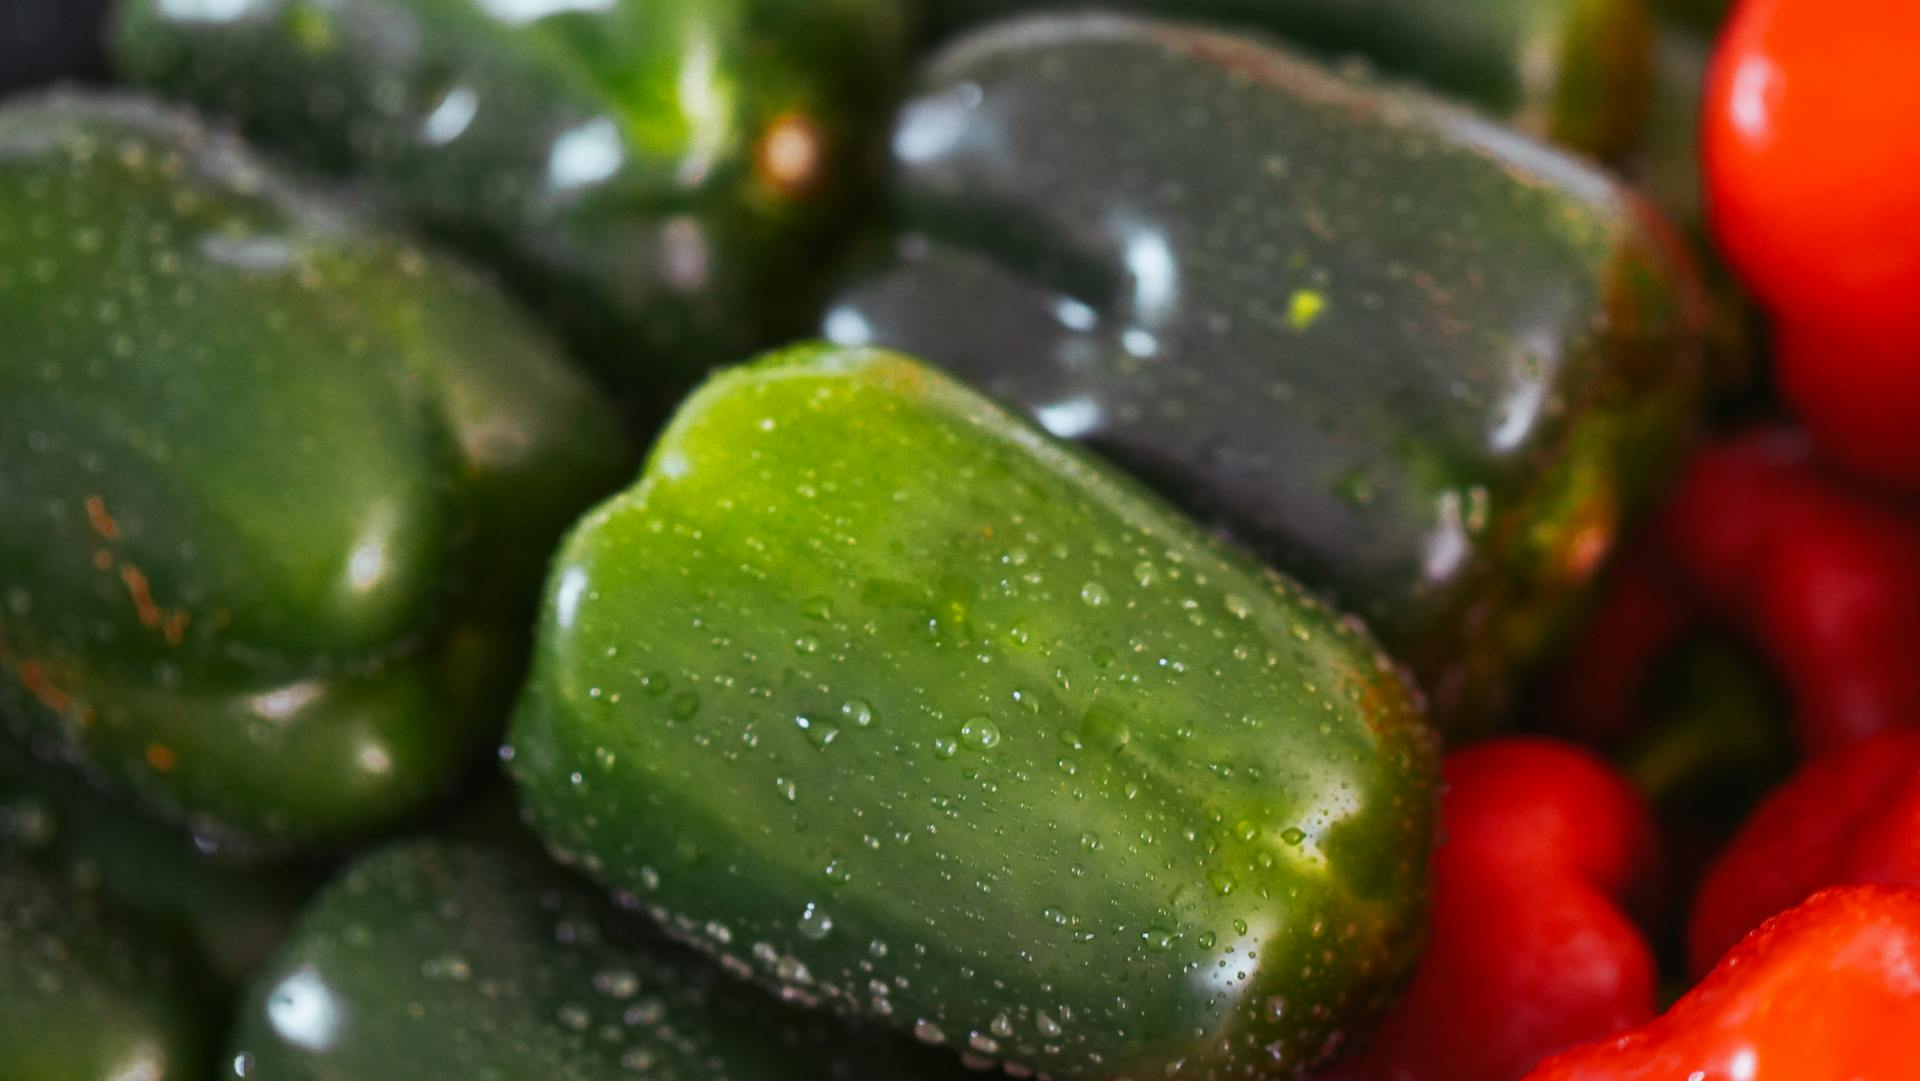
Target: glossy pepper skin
column 1811, row 142
column 87, row 997
column 230, row 915
column 1824, row 992
column 656, row 175
column 450, row 958
column 277, row 486
column 1530, row 952
column 1816, row 569
column 1414, row 359
column 875, row 690
column 1848, row 818
column 1575, row 71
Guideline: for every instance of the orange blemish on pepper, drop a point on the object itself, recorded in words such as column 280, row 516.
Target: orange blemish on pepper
column 160, row 757
column 142, row 595
column 1585, row 550
column 788, row 155
column 34, row 678
column 103, row 560
column 101, row 521
column 174, row 629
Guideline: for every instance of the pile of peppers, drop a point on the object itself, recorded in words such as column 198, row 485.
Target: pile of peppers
column 831, row 540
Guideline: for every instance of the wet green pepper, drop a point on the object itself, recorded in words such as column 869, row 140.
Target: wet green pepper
column 1574, row 71
column 431, row 958
column 658, row 175
column 156, row 876
column 84, row 997
column 873, row 689
column 275, row 488
column 1413, row 358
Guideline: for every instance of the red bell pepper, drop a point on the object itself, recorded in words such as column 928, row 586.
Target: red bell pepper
column 1849, row 818
column 1810, row 143
column 1828, row 991
column 1820, row 573
column 1600, row 689
column 1529, row 951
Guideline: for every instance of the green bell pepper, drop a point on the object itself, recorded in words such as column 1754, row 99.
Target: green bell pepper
column 657, row 175
column 430, row 958
column 84, row 997
column 157, row 877
column 276, row 488
column 871, row 688
column 1573, row 71
column 1413, row 358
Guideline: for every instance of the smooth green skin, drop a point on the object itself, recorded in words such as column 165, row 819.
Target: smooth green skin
column 1574, row 71
column 617, row 161
column 154, row 875
column 84, row 997
column 277, row 487
column 872, row 688
column 481, row 960
column 1415, row 359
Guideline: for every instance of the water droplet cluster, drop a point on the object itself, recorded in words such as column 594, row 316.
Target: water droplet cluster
column 277, row 482
column 1061, row 783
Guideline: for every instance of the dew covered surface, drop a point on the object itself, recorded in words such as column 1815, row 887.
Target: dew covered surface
column 230, row 913
column 658, row 177
column 278, row 484
column 433, row 958
column 1412, row 357
column 85, row 996
column 888, row 699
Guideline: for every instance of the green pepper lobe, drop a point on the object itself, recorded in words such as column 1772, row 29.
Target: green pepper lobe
column 85, row 997
column 276, row 487
column 153, row 875
column 658, row 176
column 879, row 693
column 1413, row 358
column 430, row 958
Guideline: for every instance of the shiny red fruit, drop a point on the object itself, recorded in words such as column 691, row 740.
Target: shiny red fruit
column 1811, row 144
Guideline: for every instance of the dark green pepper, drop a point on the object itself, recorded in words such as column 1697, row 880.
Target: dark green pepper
column 84, row 997
column 1574, row 71
column 873, row 689
column 431, row 959
column 275, row 488
column 658, row 175
column 156, row 876
column 1415, row 359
